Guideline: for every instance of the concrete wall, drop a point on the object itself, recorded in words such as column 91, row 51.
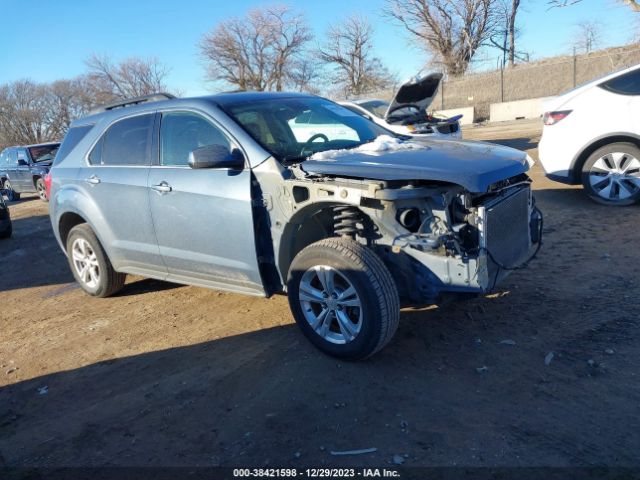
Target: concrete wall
column 467, row 112
column 501, row 112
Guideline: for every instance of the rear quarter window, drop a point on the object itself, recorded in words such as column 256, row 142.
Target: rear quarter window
column 627, row 84
column 71, row 140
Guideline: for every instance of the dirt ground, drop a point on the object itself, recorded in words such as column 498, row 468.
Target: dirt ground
column 164, row 374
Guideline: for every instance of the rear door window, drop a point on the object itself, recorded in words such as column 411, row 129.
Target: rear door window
column 126, row 143
column 627, row 84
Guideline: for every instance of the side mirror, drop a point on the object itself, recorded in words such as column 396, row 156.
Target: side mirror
column 216, row 156
column 22, row 162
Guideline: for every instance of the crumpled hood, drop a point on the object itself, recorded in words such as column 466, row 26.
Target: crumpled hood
column 473, row 165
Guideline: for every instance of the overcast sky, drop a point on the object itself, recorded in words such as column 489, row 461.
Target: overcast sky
column 46, row 40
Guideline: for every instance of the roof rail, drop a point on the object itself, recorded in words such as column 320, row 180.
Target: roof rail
column 154, row 97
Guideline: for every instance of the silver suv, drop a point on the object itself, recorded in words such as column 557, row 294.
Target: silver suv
column 352, row 222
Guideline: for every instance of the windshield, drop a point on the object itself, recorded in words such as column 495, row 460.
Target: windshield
column 43, row 153
column 293, row 129
column 377, row 107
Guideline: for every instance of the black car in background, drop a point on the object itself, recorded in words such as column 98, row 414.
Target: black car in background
column 5, row 220
column 22, row 169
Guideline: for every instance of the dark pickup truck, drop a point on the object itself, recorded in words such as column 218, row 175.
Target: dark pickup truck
column 22, row 169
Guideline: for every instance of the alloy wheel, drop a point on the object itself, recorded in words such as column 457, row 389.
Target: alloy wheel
column 330, row 304
column 615, row 176
column 86, row 263
column 42, row 192
column 8, row 191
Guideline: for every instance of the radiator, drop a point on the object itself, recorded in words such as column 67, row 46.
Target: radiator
column 505, row 229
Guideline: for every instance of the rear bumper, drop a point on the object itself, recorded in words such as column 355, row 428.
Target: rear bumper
column 556, row 154
column 561, row 178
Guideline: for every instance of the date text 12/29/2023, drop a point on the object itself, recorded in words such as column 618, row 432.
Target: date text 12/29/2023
column 315, row 473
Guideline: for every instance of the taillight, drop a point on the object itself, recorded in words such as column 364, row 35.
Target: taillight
column 47, row 184
column 551, row 118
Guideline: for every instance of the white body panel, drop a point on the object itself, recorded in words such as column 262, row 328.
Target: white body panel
column 596, row 113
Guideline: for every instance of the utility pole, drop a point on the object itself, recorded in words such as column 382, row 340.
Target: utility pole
column 502, row 82
column 575, row 62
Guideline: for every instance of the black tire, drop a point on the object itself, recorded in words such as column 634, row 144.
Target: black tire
column 41, row 190
column 11, row 194
column 375, row 288
column 110, row 281
column 7, row 233
column 626, row 148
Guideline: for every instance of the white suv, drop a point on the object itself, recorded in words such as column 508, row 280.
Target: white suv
column 592, row 136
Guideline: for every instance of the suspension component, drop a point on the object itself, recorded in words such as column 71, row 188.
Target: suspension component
column 346, row 220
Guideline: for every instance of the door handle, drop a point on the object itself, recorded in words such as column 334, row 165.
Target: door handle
column 93, row 180
column 162, row 187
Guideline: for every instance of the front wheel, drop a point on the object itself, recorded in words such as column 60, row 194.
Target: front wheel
column 343, row 298
column 611, row 174
column 90, row 265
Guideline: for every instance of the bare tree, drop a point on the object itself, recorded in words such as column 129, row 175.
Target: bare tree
column 587, row 36
column 256, row 52
column 304, row 76
column 25, row 114
column 69, row 100
column 561, row 3
column 506, row 31
column 132, row 77
column 348, row 49
column 452, row 30
column 36, row 112
column 632, row 4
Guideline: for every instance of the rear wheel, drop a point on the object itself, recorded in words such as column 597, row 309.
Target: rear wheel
column 41, row 189
column 9, row 192
column 343, row 298
column 90, row 265
column 611, row 175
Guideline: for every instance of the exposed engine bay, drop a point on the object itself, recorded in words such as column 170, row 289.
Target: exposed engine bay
column 435, row 237
column 418, row 122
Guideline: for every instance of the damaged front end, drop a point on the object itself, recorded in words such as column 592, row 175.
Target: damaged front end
column 434, row 237
column 456, row 241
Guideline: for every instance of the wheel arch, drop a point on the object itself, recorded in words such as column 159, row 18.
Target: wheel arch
column 308, row 225
column 73, row 204
column 580, row 158
column 67, row 221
